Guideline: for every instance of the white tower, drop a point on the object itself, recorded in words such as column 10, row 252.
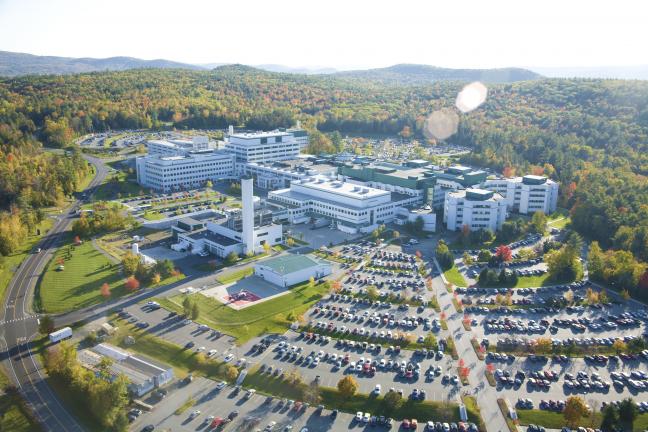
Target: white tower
column 231, row 130
column 247, row 198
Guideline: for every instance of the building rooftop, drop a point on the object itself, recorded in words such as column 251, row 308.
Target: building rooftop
column 213, row 237
column 289, row 263
column 477, row 195
column 259, row 134
column 338, row 187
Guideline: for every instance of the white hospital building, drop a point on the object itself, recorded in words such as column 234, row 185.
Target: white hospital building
column 349, row 207
column 527, row 194
column 185, row 170
column 475, row 208
column 270, row 146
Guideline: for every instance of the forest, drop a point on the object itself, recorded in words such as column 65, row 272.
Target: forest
column 590, row 135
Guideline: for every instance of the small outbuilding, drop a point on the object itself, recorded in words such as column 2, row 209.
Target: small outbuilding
column 288, row 270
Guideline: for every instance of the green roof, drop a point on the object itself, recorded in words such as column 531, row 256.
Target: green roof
column 289, row 263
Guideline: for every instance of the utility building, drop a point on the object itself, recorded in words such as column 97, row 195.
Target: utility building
column 288, row 270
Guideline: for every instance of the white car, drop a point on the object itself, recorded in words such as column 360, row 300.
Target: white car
column 221, row 385
column 211, row 352
column 194, row 414
column 228, row 358
column 377, row 389
column 358, row 416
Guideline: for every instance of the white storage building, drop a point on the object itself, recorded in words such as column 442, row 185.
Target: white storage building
column 290, row 269
column 475, row 208
column 527, row 194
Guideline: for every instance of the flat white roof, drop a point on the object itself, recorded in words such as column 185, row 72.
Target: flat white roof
column 339, row 187
column 260, row 134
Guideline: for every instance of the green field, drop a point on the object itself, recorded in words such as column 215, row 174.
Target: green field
column 268, row 317
column 78, row 285
column 14, row 416
column 233, row 276
column 10, row 262
column 455, row 277
column 153, row 215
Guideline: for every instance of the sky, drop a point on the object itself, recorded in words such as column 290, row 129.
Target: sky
column 342, row 34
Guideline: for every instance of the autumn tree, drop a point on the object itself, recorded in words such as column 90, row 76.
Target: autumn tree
column 539, row 222
column 105, row 290
column 575, row 410
column 130, row 263
column 503, row 253
column 46, row 324
column 347, row 386
column 132, row 284
column 392, row 400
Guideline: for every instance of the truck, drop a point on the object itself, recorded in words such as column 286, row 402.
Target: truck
column 59, row 335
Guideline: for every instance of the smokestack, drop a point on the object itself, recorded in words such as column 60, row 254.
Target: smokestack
column 231, row 130
column 135, row 249
column 247, row 197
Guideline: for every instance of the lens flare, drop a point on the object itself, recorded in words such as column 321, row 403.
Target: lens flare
column 441, row 124
column 471, row 97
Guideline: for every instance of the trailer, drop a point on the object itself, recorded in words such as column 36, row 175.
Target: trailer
column 59, row 335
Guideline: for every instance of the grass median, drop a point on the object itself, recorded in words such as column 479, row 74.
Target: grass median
column 14, row 415
column 455, row 277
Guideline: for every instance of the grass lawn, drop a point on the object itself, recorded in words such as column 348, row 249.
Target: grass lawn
column 233, row 276
column 536, row 281
column 14, row 416
column 455, row 277
column 10, row 262
column 117, row 185
column 268, row 317
column 78, row 285
column 85, row 181
column 153, row 215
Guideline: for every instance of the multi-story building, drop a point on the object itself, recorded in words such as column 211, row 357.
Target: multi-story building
column 184, row 171
column 349, row 207
column 526, row 194
column 475, row 208
column 278, row 175
column 173, row 147
column 270, row 146
column 454, row 178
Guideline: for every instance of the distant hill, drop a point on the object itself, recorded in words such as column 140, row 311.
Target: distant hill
column 12, row 64
column 295, row 70
column 638, row 72
column 413, row 74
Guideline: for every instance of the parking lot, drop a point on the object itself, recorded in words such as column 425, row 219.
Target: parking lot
column 330, row 360
column 175, row 329
column 216, row 405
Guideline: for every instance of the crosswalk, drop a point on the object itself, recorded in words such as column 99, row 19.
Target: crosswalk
column 26, row 317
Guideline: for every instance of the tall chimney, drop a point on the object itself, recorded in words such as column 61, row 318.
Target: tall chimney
column 231, row 130
column 247, row 197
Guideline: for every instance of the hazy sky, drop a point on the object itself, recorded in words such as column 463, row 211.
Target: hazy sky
column 333, row 33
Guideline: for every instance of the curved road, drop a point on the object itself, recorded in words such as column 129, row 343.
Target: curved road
column 18, row 326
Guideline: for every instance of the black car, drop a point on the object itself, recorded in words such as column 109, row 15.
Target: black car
column 148, row 428
column 189, row 344
column 233, row 415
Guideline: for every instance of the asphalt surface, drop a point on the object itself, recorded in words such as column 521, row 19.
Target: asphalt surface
column 19, row 325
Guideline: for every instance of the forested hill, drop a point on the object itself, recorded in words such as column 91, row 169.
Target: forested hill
column 414, row 74
column 591, row 135
column 13, row 64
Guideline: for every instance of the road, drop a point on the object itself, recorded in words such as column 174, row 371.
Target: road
column 18, row 325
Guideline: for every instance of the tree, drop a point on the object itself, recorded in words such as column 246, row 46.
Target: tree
column 539, row 222
column 467, row 259
column 290, row 242
column 395, row 235
column 130, row 263
column 187, row 306
column 231, row 258
column 444, row 256
column 430, row 342
column 372, row 293
column 46, row 324
column 347, row 386
column 575, row 410
column 619, row 346
column 105, row 290
column 132, row 284
column 195, row 311
column 484, row 255
column 563, row 264
column 209, row 184
column 156, row 278
column 391, row 400
column 503, row 253
column 77, row 241
column 267, row 248
column 628, row 412
column 231, row 373
column 610, row 418
column 311, row 282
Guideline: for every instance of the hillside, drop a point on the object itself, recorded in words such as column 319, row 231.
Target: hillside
column 590, row 135
column 413, row 74
column 14, row 64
